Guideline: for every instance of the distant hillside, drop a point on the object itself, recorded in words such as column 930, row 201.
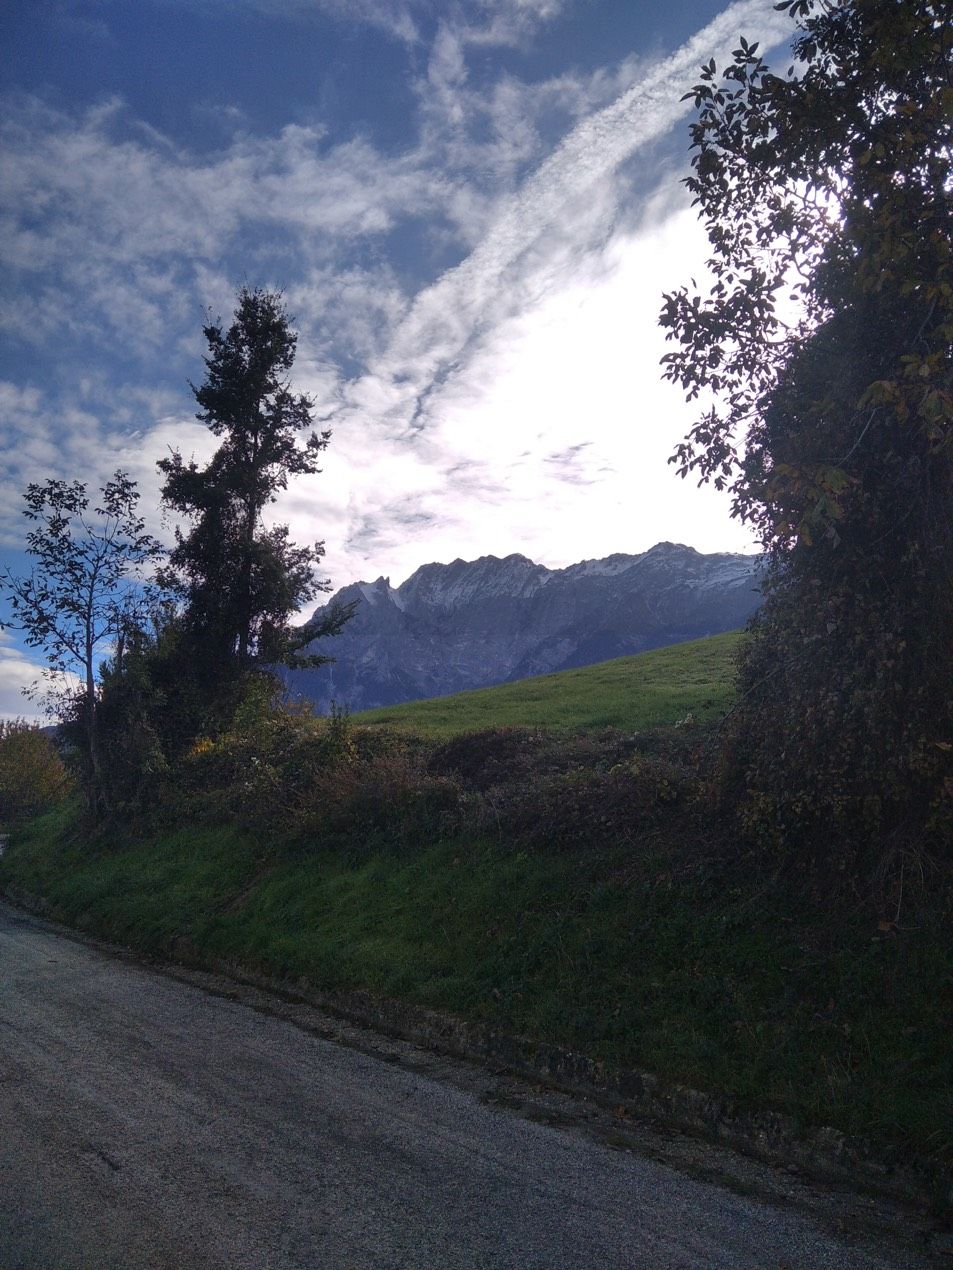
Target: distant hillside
column 452, row 627
column 658, row 687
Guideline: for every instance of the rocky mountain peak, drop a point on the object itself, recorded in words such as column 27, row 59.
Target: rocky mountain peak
column 447, row 586
column 468, row 624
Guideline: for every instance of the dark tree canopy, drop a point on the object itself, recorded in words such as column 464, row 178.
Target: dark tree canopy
column 823, row 360
column 239, row 581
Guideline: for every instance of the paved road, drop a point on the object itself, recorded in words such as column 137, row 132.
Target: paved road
column 145, row 1122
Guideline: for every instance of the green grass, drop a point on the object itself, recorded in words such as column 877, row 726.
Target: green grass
column 695, row 975
column 647, row 690
column 650, row 955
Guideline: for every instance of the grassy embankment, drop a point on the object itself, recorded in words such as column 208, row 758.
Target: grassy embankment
column 657, row 951
column 648, row 690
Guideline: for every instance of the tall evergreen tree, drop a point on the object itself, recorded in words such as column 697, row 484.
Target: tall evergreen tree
column 239, row 581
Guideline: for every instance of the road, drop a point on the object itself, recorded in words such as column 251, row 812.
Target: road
column 148, row 1122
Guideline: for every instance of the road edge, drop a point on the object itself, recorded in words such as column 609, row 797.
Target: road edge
column 824, row 1154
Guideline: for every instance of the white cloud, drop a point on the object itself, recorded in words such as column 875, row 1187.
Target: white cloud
column 26, row 684
column 514, row 403
column 108, row 230
column 572, row 190
column 125, row 227
column 489, row 21
column 41, row 437
column 18, row 672
column 507, row 21
column 551, row 439
column 544, row 339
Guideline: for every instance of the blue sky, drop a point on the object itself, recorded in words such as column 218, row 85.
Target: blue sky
column 472, row 209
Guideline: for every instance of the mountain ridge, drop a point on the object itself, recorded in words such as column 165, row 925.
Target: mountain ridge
column 469, row 624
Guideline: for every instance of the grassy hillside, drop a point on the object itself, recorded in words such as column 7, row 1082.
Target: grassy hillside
column 566, row 880
column 647, row 690
column 635, row 956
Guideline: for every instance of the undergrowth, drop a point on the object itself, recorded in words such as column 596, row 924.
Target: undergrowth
column 577, row 888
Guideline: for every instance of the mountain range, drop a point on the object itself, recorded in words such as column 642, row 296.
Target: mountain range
column 473, row 623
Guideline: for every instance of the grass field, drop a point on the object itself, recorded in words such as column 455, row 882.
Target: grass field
column 647, row 690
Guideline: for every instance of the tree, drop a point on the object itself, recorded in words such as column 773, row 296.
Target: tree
column 32, row 775
column 83, row 591
column 827, row 193
column 240, row 582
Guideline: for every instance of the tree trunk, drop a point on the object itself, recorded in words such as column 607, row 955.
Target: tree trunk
column 244, row 611
column 96, row 794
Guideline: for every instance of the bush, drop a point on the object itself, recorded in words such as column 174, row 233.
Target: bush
column 502, row 756
column 489, row 757
column 589, row 807
column 290, row 775
column 32, row 775
column 259, row 772
column 387, row 798
column 293, row 775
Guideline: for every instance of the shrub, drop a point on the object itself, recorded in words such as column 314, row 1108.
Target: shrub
column 501, row 756
column 387, row 798
column 587, row 806
column 32, row 775
column 293, row 775
column 488, row 757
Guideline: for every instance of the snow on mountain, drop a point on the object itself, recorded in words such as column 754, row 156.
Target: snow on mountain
column 449, row 586
column 468, row 624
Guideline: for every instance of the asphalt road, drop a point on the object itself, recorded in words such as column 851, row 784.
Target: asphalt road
column 146, row 1122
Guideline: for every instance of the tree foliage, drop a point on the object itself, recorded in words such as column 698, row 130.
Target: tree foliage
column 821, row 357
column 231, row 583
column 240, row 581
column 83, row 592
column 32, row 775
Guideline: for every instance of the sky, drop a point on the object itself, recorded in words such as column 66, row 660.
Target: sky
column 472, row 209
